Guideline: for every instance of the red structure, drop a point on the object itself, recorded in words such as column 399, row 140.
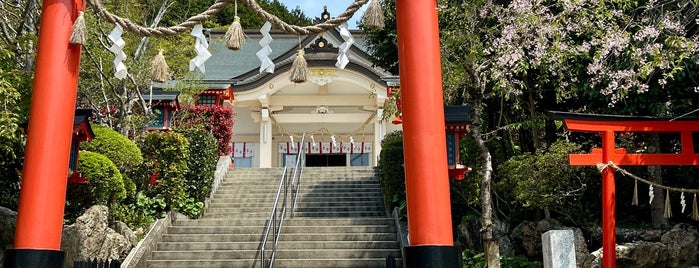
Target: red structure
column 51, row 115
column 42, row 198
column 215, row 96
column 165, row 104
column 426, row 179
column 82, row 131
column 608, row 126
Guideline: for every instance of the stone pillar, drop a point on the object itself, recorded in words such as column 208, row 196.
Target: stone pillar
column 559, row 249
column 265, row 139
column 379, row 132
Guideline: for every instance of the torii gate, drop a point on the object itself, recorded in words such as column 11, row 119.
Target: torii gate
column 42, row 197
column 608, row 125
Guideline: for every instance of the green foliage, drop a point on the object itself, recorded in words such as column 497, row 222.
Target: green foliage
column 544, row 179
column 190, row 207
column 383, row 43
column 217, row 119
column 392, row 171
column 106, row 186
column 471, row 259
column 14, row 95
column 165, row 155
column 142, row 211
column 248, row 18
column 123, row 152
column 203, row 157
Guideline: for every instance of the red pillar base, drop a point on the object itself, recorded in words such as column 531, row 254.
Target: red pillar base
column 432, row 256
column 16, row 258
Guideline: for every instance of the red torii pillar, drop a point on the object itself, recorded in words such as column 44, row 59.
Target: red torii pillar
column 608, row 125
column 427, row 179
column 45, row 175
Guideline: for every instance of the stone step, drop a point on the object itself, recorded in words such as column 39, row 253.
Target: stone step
column 286, row 229
column 390, row 236
column 335, row 253
column 335, row 263
column 297, row 221
column 340, row 209
column 181, row 246
column 340, row 214
column 281, row 254
column 213, row 263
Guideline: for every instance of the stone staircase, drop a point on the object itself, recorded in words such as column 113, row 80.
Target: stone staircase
column 339, row 221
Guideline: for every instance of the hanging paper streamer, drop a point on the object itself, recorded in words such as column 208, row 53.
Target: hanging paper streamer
column 634, row 199
column 266, row 64
column 333, row 140
column 291, row 138
column 342, row 59
column 683, row 202
column 650, row 194
column 201, row 46
column 668, row 210
column 313, row 141
column 351, row 141
column 117, row 48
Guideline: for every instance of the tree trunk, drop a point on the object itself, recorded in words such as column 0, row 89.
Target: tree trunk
column 491, row 245
column 655, row 174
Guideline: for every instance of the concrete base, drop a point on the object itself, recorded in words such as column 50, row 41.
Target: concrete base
column 16, row 258
column 432, row 256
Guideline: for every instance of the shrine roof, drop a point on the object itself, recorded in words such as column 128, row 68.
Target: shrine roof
column 161, row 95
column 457, row 114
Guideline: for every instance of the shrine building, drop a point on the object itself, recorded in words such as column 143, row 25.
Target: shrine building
column 339, row 109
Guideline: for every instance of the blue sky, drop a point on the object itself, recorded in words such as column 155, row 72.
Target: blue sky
column 313, row 8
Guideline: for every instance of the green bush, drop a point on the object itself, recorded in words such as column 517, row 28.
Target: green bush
column 203, row 157
column 166, row 155
column 471, row 259
column 392, row 171
column 105, row 187
column 11, row 162
column 543, row 180
column 142, row 211
column 123, row 152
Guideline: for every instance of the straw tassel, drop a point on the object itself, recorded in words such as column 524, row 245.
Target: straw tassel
column 695, row 209
column 159, row 68
column 668, row 211
column 78, row 34
column 373, row 17
column 634, row 200
column 235, row 38
column 299, row 70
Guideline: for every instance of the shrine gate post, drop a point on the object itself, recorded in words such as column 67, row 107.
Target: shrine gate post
column 608, row 126
column 45, row 175
column 427, row 179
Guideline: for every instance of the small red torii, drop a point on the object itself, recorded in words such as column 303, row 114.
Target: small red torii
column 609, row 125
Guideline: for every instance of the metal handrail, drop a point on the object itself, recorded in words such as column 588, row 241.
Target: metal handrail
column 300, row 162
column 284, row 184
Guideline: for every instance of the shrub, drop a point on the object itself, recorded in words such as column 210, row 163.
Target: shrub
column 165, row 155
column 203, row 157
column 392, row 171
column 123, row 152
column 105, row 187
column 11, row 162
column 142, row 211
column 217, row 119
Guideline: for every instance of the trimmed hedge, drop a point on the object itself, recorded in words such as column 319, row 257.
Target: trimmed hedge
column 391, row 168
column 123, row 152
column 203, row 157
column 105, row 187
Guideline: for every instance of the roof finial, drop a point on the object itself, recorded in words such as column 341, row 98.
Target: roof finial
column 325, row 15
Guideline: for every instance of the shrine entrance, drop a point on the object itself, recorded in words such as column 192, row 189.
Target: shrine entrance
column 326, row 160
column 609, row 158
